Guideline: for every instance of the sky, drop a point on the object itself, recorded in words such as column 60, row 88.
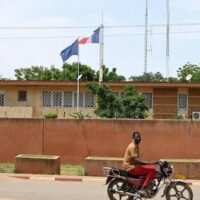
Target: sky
column 22, row 45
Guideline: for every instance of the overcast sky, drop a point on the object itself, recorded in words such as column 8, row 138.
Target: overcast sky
column 124, row 46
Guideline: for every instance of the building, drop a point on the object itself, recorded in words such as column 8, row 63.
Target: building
column 31, row 99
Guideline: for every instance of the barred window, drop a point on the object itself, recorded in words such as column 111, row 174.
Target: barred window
column 46, row 98
column 183, row 101
column 22, row 95
column 89, row 99
column 57, row 98
column 148, row 99
column 1, row 99
column 67, row 99
column 81, row 98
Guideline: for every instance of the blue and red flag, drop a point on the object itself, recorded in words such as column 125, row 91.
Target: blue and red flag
column 94, row 38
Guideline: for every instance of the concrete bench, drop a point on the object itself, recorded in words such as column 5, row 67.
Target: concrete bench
column 94, row 165
column 37, row 164
column 188, row 168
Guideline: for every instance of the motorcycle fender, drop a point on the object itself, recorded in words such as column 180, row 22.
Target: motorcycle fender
column 170, row 185
column 109, row 178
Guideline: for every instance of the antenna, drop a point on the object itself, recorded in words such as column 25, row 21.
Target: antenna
column 167, row 39
column 146, row 38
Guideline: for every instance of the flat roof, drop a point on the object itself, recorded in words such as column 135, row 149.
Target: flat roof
column 112, row 84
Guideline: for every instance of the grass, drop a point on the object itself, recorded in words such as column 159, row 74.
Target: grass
column 65, row 169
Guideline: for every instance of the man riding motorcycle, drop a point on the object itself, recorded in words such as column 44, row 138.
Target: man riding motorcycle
column 135, row 166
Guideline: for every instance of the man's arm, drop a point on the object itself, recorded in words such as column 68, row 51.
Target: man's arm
column 141, row 162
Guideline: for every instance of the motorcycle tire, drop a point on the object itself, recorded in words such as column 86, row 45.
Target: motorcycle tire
column 178, row 190
column 114, row 189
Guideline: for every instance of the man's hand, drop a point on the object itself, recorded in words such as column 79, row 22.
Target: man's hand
column 130, row 167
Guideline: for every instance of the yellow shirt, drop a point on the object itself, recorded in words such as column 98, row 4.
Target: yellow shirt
column 131, row 152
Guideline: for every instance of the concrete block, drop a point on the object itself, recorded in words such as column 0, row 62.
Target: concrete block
column 37, row 164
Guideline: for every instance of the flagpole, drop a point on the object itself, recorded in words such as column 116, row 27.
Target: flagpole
column 77, row 103
column 101, row 51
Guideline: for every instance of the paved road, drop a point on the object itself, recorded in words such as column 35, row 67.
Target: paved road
column 21, row 189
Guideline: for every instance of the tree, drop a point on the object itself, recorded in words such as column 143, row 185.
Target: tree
column 192, row 69
column 134, row 104
column 37, row 73
column 68, row 72
column 152, row 77
column 110, row 105
column 110, row 76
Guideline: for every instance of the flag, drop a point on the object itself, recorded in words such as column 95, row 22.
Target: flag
column 70, row 51
column 94, row 38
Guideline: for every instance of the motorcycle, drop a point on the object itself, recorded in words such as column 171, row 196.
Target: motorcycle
column 122, row 185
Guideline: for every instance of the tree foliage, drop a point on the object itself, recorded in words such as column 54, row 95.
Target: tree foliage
column 134, row 104
column 110, row 105
column 152, row 77
column 192, row 69
column 68, row 72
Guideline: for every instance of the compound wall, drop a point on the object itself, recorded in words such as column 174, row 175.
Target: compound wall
column 74, row 140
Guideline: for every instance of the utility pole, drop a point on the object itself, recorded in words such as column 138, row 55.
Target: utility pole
column 167, row 39
column 146, row 38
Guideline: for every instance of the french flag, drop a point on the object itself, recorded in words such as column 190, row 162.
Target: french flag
column 94, row 38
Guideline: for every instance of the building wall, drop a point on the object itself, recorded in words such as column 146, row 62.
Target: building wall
column 194, row 100
column 74, row 140
column 165, row 101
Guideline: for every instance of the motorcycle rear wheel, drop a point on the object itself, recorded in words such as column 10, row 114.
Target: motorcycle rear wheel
column 179, row 190
column 114, row 189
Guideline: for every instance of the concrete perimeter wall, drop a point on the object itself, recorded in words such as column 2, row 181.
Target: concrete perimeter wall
column 74, row 140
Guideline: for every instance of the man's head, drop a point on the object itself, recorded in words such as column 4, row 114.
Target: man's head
column 136, row 137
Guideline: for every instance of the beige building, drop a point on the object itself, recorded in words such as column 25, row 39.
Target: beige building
column 32, row 99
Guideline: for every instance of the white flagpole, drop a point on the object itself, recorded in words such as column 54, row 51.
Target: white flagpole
column 77, row 95
column 101, row 52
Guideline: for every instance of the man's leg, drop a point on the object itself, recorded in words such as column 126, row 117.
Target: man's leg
column 144, row 170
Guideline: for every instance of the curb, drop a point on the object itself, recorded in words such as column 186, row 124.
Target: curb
column 46, row 178
column 74, row 178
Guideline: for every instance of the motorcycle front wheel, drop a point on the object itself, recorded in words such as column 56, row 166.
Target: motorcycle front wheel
column 115, row 191
column 178, row 190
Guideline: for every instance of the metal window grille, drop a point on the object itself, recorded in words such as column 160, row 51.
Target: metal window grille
column 81, row 98
column 46, row 98
column 183, row 101
column 148, row 99
column 57, row 99
column 89, row 99
column 67, row 101
column 1, row 99
column 22, row 95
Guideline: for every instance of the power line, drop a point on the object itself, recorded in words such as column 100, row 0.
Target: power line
column 106, row 35
column 90, row 27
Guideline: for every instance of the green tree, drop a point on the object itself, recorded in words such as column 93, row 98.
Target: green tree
column 110, row 75
column 134, row 104
column 192, row 69
column 38, row 73
column 152, row 77
column 110, row 105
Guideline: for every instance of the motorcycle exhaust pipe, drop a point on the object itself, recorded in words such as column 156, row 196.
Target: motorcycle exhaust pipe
column 127, row 194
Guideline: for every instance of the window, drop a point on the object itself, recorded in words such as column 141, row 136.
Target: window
column 148, row 99
column 57, row 99
column 1, row 99
column 89, row 99
column 46, row 98
column 81, row 98
column 67, row 99
column 183, row 101
column 22, row 95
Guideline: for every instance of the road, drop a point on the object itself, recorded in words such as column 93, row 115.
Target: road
column 21, row 189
